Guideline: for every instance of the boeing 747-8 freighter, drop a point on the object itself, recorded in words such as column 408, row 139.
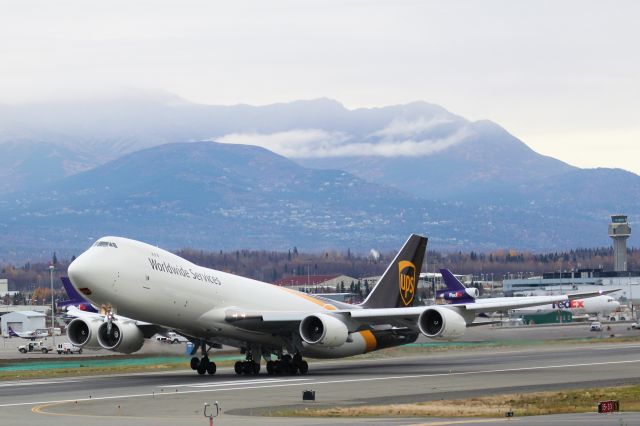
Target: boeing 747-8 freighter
column 142, row 289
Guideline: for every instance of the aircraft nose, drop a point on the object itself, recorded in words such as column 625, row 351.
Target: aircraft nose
column 79, row 271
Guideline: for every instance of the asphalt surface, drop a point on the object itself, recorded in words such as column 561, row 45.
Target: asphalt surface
column 179, row 397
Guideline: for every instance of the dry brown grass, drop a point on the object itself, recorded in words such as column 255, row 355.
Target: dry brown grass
column 522, row 404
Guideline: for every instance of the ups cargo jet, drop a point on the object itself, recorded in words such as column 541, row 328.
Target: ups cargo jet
column 142, row 290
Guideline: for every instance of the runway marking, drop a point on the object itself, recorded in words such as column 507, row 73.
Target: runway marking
column 42, row 382
column 38, row 409
column 323, row 382
column 230, row 383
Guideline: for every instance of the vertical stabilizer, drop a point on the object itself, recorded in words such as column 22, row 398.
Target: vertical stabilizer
column 75, row 298
column 456, row 292
column 398, row 285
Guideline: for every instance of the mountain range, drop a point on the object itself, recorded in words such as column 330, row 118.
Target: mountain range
column 311, row 174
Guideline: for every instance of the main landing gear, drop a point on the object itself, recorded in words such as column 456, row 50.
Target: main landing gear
column 203, row 365
column 249, row 366
column 288, row 365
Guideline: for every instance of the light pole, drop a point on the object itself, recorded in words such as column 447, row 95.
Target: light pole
column 53, row 337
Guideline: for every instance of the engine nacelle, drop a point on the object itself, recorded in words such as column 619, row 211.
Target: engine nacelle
column 441, row 323
column 84, row 333
column 323, row 329
column 472, row 291
column 124, row 337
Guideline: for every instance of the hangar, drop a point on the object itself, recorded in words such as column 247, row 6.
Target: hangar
column 22, row 321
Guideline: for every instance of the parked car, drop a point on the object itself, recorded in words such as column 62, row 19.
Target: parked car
column 636, row 325
column 596, row 326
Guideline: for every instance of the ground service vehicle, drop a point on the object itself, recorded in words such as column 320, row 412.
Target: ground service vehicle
column 39, row 346
column 596, row 326
column 68, row 348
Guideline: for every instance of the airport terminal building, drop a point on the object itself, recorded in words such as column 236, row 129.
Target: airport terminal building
column 582, row 280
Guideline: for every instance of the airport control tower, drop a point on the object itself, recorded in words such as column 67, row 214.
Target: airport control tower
column 619, row 230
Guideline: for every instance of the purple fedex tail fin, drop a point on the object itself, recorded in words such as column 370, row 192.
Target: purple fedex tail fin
column 456, row 292
column 12, row 333
column 75, row 298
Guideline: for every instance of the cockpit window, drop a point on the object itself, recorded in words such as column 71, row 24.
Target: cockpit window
column 105, row 244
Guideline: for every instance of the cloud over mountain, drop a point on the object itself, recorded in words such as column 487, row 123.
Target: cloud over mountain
column 400, row 138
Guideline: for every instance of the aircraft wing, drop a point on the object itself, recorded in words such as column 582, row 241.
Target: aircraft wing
column 587, row 294
column 518, row 302
column 397, row 317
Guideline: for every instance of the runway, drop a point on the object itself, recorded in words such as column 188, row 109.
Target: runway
column 179, row 397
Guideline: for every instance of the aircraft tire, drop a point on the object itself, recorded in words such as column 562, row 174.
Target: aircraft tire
column 195, row 363
column 247, row 368
column 303, row 367
column 270, row 368
column 211, row 368
column 238, row 367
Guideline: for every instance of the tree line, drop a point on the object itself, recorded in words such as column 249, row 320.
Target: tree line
column 270, row 266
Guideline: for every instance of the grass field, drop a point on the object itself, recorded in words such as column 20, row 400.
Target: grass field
column 522, row 404
column 89, row 366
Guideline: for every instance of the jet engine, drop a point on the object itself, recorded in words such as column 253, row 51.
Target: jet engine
column 84, row 333
column 123, row 337
column 323, row 329
column 441, row 323
column 472, row 291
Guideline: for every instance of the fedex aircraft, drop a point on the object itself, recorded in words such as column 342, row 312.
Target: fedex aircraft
column 75, row 298
column 31, row 334
column 456, row 292
column 141, row 290
column 600, row 305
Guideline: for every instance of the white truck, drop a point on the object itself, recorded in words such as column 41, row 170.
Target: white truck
column 39, row 346
column 171, row 337
column 68, row 349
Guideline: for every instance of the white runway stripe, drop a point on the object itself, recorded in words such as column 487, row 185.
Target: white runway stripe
column 230, row 383
column 35, row 383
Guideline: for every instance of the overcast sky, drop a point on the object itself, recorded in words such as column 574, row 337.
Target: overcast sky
column 563, row 76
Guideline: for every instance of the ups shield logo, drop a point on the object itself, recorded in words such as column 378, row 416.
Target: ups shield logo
column 407, row 281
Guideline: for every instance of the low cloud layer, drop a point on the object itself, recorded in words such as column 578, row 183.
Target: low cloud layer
column 406, row 128
column 399, row 139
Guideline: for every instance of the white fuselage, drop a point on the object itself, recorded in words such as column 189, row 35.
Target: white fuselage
column 145, row 283
column 594, row 305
